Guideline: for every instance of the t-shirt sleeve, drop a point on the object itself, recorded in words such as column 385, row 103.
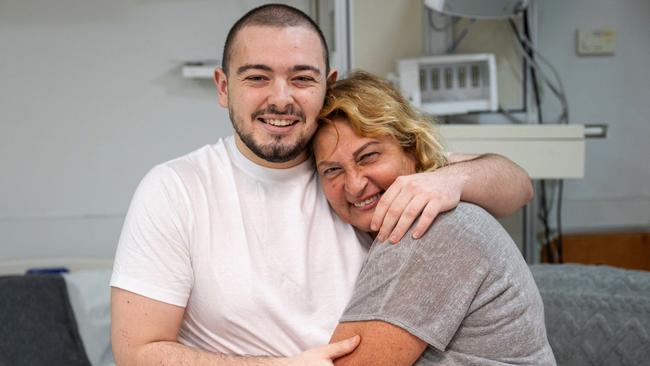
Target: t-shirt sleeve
column 152, row 257
column 423, row 286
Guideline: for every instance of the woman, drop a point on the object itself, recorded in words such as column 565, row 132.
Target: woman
column 462, row 294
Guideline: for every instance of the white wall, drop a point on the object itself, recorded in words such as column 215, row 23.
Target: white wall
column 384, row 31
column 615, row 193
column 615, row 90
column 91, row 97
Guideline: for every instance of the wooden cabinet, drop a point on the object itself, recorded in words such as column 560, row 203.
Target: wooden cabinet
column 624, row 250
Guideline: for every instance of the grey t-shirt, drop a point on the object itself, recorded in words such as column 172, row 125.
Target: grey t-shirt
column 463, row 288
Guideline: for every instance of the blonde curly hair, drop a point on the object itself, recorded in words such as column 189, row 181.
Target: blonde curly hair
column 374, row 108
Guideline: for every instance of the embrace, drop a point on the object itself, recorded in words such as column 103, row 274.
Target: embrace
column 329, row 229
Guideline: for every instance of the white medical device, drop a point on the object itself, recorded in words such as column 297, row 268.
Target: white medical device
column 450, row 84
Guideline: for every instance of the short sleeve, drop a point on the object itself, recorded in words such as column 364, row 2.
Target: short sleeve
column 423, row 286
column 152, row 257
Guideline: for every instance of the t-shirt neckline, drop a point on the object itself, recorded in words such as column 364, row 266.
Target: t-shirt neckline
column 265, row 173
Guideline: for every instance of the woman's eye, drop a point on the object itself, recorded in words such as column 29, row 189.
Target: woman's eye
column 330, row 171
column 368, row 157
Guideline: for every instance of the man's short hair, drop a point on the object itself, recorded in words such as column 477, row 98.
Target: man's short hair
column 272, row 15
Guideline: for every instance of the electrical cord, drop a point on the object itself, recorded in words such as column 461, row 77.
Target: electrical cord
column 560, row 182
column 557, row 90
column 511, row 117
column 451, row 20
column 544, row 211
column 456, row 42
column 433, row 24
column 558, row 223
column 530, row 53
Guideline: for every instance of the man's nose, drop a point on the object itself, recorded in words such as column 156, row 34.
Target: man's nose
column 355, row 182
column 281, row 95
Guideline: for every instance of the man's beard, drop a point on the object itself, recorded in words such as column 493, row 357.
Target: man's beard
column 275, row 152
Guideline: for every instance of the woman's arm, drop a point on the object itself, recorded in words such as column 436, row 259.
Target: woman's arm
column 381, row 344
column 417, row 294
column 490, row 181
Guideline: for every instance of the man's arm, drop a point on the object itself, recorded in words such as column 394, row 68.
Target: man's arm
column 494, row 182
column 144, row 332
column 381, row 344
column 491, row 181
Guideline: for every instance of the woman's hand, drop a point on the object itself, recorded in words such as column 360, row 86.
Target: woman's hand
column 422, row 195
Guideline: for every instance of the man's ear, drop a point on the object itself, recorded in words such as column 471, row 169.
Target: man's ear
column 332, row 76
column 221, row 81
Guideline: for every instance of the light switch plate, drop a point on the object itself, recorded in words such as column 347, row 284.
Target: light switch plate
column 598, row 42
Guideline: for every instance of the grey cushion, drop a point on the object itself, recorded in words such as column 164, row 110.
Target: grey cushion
column 37, row 323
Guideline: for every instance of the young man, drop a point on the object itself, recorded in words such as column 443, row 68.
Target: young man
column 232, row 250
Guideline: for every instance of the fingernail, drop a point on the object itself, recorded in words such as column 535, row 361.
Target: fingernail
column 373, row 227
column 354, row 340
column 393, row 239
column 416, row 235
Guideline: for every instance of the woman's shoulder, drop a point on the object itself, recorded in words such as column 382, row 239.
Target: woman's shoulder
column 468, row 227
column 466, row 219
column 465, row 213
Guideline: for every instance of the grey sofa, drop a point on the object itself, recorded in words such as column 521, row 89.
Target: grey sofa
column 595, row 315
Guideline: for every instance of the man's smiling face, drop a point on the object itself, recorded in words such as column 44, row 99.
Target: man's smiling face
column 274, row 89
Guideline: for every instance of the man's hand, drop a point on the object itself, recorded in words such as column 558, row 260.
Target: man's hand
column 326, row 354
column 422, row 195
column 490, row 181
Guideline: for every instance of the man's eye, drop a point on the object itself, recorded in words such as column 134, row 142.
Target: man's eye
column 304, row 79
column 255, row 78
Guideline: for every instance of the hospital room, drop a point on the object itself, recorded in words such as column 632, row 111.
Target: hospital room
column 98, row 99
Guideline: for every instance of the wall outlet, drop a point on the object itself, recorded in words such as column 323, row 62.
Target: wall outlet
column 598, row 42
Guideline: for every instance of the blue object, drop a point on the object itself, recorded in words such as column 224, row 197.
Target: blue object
column 47, row 271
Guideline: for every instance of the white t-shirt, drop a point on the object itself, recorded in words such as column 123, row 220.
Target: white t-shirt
column 261, row 264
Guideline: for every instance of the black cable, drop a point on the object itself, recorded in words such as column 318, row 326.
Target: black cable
column 524, row 65
column 558, row 243
column 551, row 254
column 433, row 25
column 463, row 33
column 560, row 254
column 543, row 217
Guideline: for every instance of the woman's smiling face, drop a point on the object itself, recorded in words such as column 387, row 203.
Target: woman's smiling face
column 355, row 171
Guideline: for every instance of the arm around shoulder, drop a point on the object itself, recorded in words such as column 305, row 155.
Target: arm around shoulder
column 490, row 181
column 493, row 182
